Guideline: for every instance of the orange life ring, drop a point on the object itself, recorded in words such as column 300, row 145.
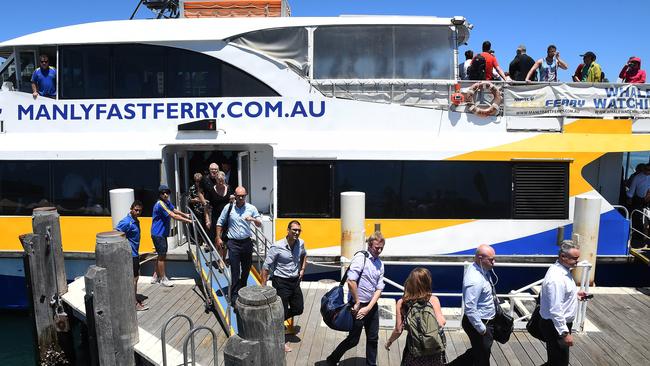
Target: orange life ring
column 484, row 110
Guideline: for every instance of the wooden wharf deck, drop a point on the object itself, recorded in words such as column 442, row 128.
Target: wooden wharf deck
column 618, row 331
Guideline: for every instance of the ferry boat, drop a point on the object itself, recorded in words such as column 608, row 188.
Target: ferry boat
column 306, row 108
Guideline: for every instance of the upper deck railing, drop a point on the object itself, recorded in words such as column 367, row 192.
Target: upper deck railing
column 497, row 98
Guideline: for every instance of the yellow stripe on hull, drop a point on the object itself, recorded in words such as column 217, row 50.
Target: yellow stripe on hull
column 77, row 232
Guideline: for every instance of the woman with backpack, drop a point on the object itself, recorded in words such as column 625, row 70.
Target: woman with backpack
column 419, row 312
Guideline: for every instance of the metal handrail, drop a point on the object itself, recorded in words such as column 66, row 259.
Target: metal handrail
column 190, row 336
column 514, row 294
column 213, row 254
column 163, row 335
column 260, row 250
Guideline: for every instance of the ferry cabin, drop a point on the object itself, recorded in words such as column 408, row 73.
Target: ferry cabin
column 308, row 108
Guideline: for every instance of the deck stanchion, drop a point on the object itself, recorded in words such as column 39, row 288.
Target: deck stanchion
column 586, row 222
column 353, row 215
column 113, row 252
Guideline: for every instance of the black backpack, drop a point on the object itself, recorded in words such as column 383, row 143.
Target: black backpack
column 476, row 70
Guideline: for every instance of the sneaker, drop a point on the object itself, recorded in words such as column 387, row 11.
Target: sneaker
column 166, row 282
column 154, row 279
column 141, row 307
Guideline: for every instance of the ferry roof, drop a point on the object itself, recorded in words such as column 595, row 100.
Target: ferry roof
column 199, row 29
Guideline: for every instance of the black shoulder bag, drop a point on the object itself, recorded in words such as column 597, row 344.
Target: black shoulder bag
column 503, row 323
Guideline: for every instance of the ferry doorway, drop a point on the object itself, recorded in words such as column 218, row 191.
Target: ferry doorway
column 251, row 166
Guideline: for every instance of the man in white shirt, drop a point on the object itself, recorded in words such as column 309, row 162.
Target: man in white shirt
column 558, row 304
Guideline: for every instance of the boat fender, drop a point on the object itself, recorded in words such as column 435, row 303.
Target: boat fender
column 484, row 110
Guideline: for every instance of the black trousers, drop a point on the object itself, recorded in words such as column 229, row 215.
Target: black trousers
column 371, row 323
column 291, row 295
column 557, row 350
column 481, row 349
column 241, row 259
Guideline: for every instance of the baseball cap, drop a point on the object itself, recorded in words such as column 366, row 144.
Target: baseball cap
column 589, row 54
column 164, row 188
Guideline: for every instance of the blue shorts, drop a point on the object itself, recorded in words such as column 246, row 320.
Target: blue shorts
column 160, row 243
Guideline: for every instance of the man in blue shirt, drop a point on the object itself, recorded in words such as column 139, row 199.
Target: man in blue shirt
column 239, row 245
column 163, row 212
column 130, row 226
column 479, row 308
column 286, row 262
column 44, row 79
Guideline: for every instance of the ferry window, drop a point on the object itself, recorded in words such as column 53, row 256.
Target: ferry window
column 305, row 189
column 141, row 175
column 24, row 185
column 139, row 71
column 77, row 188
column 457, row 190
column 380, row 180
column 236, row 83
column 84, row 72
column 192, row 74
column 8, row 73
column 383, row 52
column 27, row 68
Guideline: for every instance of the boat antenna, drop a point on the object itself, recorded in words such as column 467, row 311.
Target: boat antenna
column 162, row 8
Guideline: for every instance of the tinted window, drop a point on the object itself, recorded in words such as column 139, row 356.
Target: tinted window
column 305, row 189
column 146, row 71
column 85, row 72
column 383, row 52
column 139, row 71
column 468, row 190
column 380, row 180
column 24, row 185
column 77, row 188
column 74, row 187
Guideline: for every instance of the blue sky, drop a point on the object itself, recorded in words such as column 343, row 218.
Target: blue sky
column 602, row 27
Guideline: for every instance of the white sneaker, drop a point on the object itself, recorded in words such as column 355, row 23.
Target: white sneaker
column 154, row 279
column 166, row 282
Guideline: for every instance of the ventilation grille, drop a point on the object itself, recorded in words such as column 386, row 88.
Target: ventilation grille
column 541, row 190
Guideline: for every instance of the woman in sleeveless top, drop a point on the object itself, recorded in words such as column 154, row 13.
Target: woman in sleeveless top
column 417, row 288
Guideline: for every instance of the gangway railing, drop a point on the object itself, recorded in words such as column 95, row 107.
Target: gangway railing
column 514, row 295
column 642, row 252
column 207, row 273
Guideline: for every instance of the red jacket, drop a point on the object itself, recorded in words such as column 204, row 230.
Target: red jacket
column 632, row 75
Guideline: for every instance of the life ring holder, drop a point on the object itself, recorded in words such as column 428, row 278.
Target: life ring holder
column 483, row 110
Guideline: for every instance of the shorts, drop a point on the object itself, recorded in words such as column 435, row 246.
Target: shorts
column 160, row 243
column 136, row 266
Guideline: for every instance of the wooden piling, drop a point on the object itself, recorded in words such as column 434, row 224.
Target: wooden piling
column 99, row 317
column 113, row 252
column 45, row 222
column 262, row 320
column 240, row 352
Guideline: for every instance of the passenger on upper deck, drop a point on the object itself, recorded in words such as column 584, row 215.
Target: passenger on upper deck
column 44, row 79
column 632, row 73
column 589, row 70
column 483, row 64
column 548, row 66
column 462, row 68
column 520, row 65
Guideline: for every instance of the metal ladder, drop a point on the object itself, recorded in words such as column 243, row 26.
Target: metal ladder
column 189, row 338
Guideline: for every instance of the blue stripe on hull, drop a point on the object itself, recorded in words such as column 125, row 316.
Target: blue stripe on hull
column 14, row 292
column 613, row 233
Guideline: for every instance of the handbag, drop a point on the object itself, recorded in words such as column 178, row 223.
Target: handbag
column 533, row 325
column 336, row 312
column 503, row 323
column 226, row 223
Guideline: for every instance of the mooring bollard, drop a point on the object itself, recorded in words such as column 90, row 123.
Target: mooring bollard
column 261, row 314
column 99, row 317
column 113, row 252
